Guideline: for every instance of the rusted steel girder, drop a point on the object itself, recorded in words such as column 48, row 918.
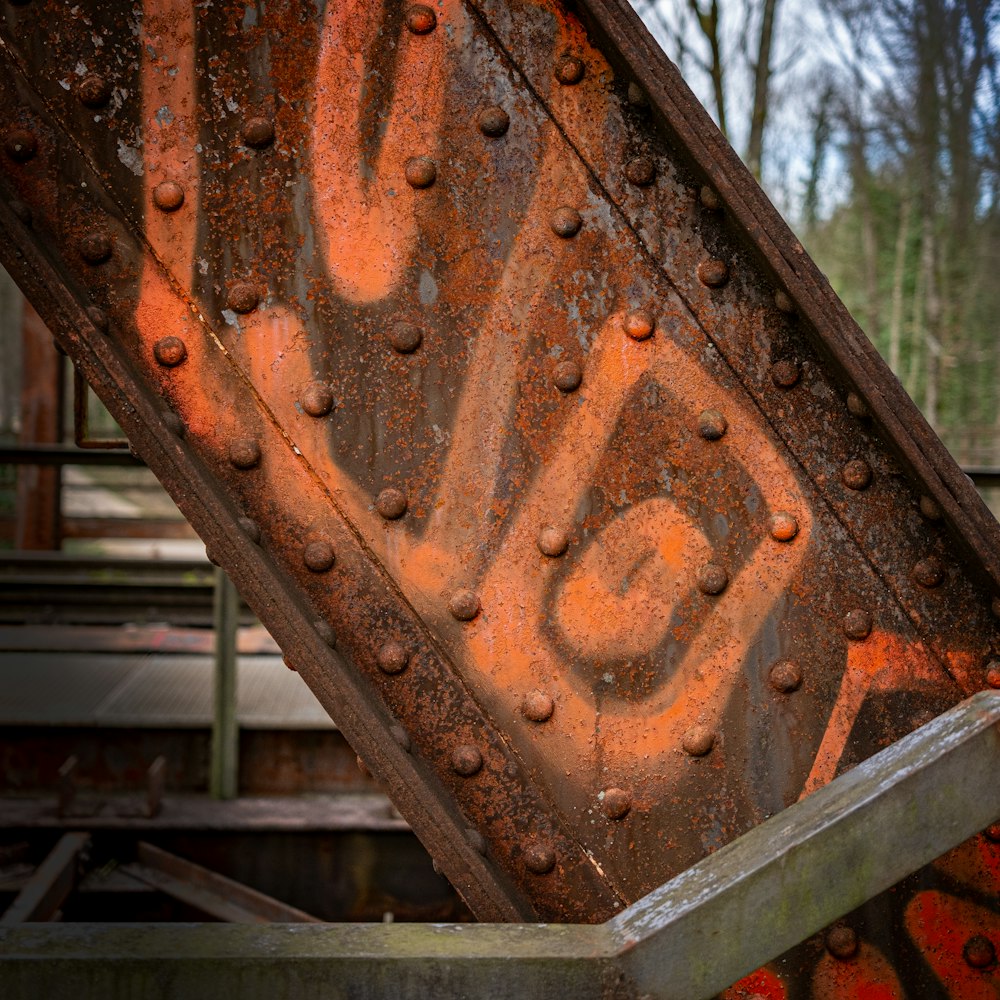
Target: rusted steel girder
column 512, row 407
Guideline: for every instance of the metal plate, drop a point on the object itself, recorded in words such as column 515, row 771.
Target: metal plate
column 522, row 392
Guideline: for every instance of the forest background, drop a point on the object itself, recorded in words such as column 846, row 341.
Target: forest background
column 874, row 126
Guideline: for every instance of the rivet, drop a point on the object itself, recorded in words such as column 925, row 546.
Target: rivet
column 570, row 70
column 22, row 211
column 979, row 952
column 392, row 658
column 391, row 503
column 786, row 374
column 98, row 317
column 785, row 676
column 420, row 19
column 244, row 453
column 170, row 351
column 712, row 425
column 537, row 706
column 319, row 556
column 930, row 509
column 856, row 474
column 464, row 605
column 857, row 407
column 325, row 631
column 494, row 121
column 639, row 324
column 710, row 198
column 842, row 942
column 20, row 145
column 640, row 171
column 94, row 91
column 420, row 172
column 243, row 297
column 928, row 572
column 539, row 857
column 784, row 527
column 552, row 541
column 566, row 222
column 250, row 528
column 568, row 376
column 317, row 399
column 616, row 803
column 636, row 95
column 993, row 674
column 476, row 841
column 401, row 736
column 712, row 579
column 168, row 196
column 783, row 302
column 173, row 423
column 698, row 741
column 858, row 624
column 992, row 832
column 466, row 760
column 405, row 337
column 258, row 132
column 713, row 272
column 95, row 247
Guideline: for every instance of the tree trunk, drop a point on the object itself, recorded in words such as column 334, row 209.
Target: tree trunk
column 898, row 274
column 762, row 77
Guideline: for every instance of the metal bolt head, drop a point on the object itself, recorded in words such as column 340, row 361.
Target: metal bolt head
column 616, row 803
column 552, row 541
column 993, row 674
column 98, row 317
column 325, row 631
column 258, row 132
column 842, row 942
column 929, row 572
column 539, row 857
column 858, row 624
column 783, row 302
column 979, row 952
column 570, row 70
column 317, row 399
column 712, row 579
column 639, row 324
column 640, row 171
column 392, row 658
column 405, row 338
column 568, row 376
column 712, row 425
column 786, row 374
column 391, row 503
column 20, row 145
column 857, row 407
column 244, row 453
column 420, row 172
column 319, row 556
column 785, row 676
column 856, row 474
column 168, row 196
column 993, row 833
column 170, row 351
column 93, row 91
column 243, row 297
column 930, row 509
column 466, row 760
column 713, row 272
column 709, row 198
column 537, row 706
column 420, row 19
column 784, row 527
column 493, row 121
column 251, row 529
column 464, row 605
column 698, row 741
column 566, row 222
column 95, row 246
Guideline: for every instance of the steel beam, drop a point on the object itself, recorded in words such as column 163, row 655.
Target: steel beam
column 689, row 939
column 52, row 882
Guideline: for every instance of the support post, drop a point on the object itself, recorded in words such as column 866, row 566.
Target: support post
column 225, row 732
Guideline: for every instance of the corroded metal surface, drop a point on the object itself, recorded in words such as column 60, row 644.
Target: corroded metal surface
column 472, row 352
